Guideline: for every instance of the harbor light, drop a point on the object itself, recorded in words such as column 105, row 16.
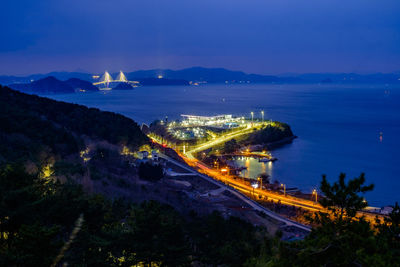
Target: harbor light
column 252, row 115
column 262, row 115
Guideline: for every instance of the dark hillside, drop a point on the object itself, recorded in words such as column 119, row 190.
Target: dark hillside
column 32, row 125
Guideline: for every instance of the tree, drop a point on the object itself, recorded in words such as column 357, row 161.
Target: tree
column 344, row 199
column 388, row 237
column 224, row 242
column 150, row 172
column 157, row 231
column 339, row 237
column 231, row 146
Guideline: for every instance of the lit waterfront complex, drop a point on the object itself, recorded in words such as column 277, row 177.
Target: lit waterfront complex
column 226, row 121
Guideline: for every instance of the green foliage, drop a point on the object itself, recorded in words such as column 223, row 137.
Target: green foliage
column 67, row 168
column 150, row 172
column 388, row 237
column 95, row 174
column 158, row 234
column 30, row 230
column 231, row 146
column 344, row 199
column 37, row 217
column 271, row 133
column 36, row 128
column 341, row 238
column 228, row 242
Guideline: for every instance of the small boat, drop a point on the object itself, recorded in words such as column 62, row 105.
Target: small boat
column 264, row 160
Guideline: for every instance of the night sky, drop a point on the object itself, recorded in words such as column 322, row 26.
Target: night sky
column 259, row 36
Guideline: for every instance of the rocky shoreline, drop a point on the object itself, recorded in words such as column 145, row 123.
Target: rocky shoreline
column 277, row 144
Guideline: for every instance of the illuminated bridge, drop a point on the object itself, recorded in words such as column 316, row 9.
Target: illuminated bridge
column 107, row 80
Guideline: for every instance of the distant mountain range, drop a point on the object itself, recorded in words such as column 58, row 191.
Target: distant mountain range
column 389, row 78
column 161, row 81
column 6, row 80
column 217, row 75
column 220, row 75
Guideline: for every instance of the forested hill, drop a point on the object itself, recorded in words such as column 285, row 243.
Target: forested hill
column 51, row 85
column 33, row 127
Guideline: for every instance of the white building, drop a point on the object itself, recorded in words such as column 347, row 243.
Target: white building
column 207, row 120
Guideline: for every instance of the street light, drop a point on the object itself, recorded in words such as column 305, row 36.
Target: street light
column 252, row 114
column 216, row 164
column 254, row 186
column 314, row 192
column 262, row 115
column 284, row 189
column 260, row 179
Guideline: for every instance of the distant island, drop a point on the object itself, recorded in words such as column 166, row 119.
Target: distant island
column 51, row 85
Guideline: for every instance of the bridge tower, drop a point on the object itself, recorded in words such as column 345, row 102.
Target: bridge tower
column 121, row 77
column 106, row 79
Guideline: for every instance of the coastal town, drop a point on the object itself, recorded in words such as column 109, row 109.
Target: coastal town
column 208, row 145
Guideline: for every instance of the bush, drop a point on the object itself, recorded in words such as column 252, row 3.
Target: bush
column 150, row 172
column 231, row 146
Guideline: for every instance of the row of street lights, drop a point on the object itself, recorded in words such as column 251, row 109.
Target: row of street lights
column 314, row 192
column 252, row 115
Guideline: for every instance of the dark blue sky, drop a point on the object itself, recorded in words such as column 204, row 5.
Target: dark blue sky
column 260, row 36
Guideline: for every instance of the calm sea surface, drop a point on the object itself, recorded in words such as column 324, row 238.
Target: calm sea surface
column 341, row 128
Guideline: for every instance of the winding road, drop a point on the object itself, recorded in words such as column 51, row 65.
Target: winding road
column 256, row 206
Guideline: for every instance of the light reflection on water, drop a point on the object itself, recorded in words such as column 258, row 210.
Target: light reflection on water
column 254, row 167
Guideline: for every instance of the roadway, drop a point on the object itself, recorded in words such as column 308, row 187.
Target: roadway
column 253, row 204
column 239, row 185
column 284, row 199
column 247, row 189
column 223, row 139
